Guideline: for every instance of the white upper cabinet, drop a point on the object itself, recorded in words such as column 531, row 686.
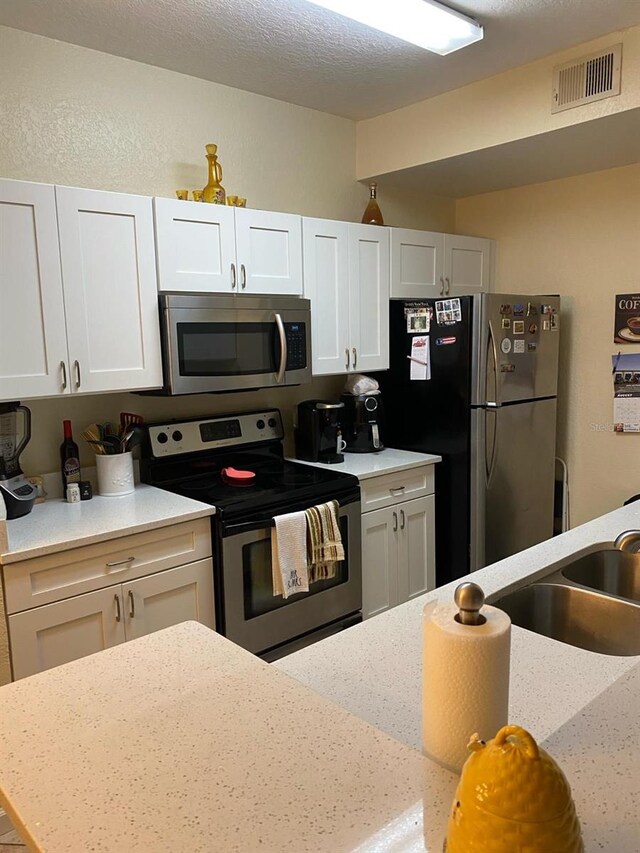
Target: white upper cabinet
column 195, row 246
column 33, row 342
column 425, row 265
column 325, row 245
column 346, row 274
column 369, row 297
column 268, row 252
column 110, row 290
column 467, row 264
column 210, row 248
column 417, row 264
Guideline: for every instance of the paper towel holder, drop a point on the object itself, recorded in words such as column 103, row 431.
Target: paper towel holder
column 469, row 598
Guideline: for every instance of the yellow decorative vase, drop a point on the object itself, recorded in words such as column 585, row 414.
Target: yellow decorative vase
column 214, row 191
column 512, row 797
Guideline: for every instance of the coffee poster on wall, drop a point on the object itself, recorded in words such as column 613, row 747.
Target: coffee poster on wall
column 627, row 325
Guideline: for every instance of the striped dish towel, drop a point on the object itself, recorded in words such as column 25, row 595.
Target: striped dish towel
column 325, row 548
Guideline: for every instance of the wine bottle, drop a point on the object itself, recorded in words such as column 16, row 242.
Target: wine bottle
column 69, row 458
column 372, row 214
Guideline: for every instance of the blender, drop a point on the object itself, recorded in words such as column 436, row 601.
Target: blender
column 15, row 431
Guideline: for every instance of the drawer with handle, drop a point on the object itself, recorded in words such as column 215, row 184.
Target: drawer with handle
column 64, row 574
column 388, row 489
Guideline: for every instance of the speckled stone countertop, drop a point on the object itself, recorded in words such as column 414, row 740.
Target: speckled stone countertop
column 182, row 742
column 374, row 670
column 56, row 525
column 387, row 461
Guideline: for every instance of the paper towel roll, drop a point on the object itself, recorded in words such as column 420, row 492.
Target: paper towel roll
column 465, row 681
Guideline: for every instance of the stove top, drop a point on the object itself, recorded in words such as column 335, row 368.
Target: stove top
column 192, row 465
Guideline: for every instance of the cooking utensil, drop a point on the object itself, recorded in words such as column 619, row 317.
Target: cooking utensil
column 128, row 419
column 124, row 439
column 137, row 437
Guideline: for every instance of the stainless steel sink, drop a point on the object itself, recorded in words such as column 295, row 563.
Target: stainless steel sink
column 581, row 617
column 613, row 572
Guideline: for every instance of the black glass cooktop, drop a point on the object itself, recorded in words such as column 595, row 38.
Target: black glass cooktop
column 278, row 484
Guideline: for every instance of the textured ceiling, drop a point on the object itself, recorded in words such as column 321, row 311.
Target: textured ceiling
column 300, row 53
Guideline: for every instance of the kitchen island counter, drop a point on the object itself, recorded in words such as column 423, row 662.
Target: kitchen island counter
column 183, row 741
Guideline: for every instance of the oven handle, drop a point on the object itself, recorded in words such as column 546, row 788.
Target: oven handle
column 283, row 349
column 235, row 528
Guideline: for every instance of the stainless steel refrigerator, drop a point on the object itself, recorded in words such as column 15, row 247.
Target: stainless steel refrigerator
column 475, row 380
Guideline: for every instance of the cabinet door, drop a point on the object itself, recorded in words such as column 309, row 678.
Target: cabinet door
column 467, row 266
column 110, row 290
column 57, row 633
column 168, row 598
column 326, row 283
column 33, row 341
column 379, row 561
column 416, row 547
column 369, row 297
column 417, row 264
column 195, row 245
column 269, row 252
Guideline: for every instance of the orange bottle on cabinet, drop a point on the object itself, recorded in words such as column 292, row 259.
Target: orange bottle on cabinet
column 214, row 191
column 372, row 214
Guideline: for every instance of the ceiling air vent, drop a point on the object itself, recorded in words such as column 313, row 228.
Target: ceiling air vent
column 588, row 79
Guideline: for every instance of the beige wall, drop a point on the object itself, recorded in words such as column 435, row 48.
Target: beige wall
column 579, row 237
column 76, row 116
column 509, row 106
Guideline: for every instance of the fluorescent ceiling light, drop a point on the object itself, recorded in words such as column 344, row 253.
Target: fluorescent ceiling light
column 424, row 23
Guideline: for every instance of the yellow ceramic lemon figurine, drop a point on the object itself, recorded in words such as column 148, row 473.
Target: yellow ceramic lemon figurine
column 512, row 798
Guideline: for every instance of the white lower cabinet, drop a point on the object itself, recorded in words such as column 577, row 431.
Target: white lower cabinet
column 55, row 616
column 57, row 633
column 398, row 553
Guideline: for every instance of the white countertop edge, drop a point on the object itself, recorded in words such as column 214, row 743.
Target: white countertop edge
column 367, row 465
column 173, row 509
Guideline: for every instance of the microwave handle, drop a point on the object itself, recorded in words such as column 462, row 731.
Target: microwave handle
column 283, row 349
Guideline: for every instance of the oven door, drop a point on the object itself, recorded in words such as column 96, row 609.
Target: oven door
column 221, row 345
column 258, row 620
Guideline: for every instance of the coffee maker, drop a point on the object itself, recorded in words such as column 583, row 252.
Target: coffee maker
column 15, row 431
column 318, row 436
column 363, row 422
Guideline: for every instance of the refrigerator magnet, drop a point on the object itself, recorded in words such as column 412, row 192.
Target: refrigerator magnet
column 505, row 346
column 518, row 327
column 419, row 360
column 506, row 323
column 518, row 346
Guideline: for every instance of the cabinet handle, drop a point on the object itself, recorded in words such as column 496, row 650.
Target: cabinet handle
column 395, row 521
column 233, row 276
column 243, row 276
column 116, row 598
column 120, row 562
column 132, row 605
column 355, row 357
column 348, row 357
column 76, row 367
column 399, row 490
column 448, row 287
column 63, row 368
column 441, row 286
column 402, row 521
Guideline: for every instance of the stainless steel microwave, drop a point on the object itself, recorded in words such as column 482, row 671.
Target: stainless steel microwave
column 216, row 343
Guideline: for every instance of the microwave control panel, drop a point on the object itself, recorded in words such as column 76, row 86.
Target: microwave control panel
column 296, row 335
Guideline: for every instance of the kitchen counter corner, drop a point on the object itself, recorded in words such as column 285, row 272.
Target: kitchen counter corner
column 56, row 525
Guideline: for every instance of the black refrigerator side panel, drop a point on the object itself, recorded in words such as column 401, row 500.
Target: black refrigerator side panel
column 433, row 416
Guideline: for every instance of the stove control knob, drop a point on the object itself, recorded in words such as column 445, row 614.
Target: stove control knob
column 163, row 438
column 260, row 423
column 272, row 423
column 176, row 435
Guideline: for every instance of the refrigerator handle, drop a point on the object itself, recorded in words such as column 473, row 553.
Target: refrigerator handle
column 491, row 344
column 491, row 467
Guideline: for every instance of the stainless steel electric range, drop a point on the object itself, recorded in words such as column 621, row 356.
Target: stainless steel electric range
column 193, row 458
